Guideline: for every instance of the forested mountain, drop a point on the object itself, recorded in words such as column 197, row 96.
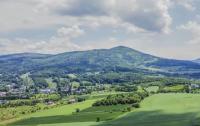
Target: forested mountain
column 197, row 60
column 118, row 58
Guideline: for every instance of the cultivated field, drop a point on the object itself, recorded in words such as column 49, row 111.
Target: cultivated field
column 157, row 110
column 52, row 115
column 164, row 110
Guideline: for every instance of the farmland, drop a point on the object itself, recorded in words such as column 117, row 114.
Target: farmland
column 100, row 63
column 157, row 110
column 55, row 112
column 66, row 115
column 164, row 110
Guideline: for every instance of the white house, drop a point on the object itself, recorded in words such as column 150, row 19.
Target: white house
column 194, row 86
column 3, row 94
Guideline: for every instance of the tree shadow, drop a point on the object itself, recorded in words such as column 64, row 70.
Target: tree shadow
column 155, row 118
column 77, row 117
column 86, row 115
column 143, row 118
column 34, row 121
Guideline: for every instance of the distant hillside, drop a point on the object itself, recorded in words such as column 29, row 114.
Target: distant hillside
column 197, row 60
column 22, row 56
column 120, row 58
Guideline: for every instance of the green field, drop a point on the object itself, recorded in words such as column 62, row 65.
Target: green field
column 51, row 112
column 174, row 88
column 152, row 88
column 55, row 112
column 157, row 110
column 164, row 110
column 66, row 115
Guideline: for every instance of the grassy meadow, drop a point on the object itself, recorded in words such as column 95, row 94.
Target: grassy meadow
column 157, row 110
column 152, row 88
column 67, row 115
column 164, row 110
column 54, row 112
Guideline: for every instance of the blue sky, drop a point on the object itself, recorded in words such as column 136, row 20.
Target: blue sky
column 165, row 28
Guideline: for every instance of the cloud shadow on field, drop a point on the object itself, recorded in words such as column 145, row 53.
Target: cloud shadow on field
column 155, row 118
column 143, row 118
column 74, row 117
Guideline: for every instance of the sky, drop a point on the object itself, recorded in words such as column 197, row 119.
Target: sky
column 165, row 28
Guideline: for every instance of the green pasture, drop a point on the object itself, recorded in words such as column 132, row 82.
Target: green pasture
column 67, row 115
column 152, row 88
column 174, row 109
column 163, row 110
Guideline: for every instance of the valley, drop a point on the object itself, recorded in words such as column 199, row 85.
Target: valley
column 164, row 110
column 100, row 63
column 159, row 109
column 103, row 87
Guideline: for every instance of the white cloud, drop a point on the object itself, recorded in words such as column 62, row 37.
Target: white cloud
column 188, row 4
column 70, row 32
column 21, row 15
column 192, row 28
column 151, row 15
column 62, row 42
column 110, row 22
column 133, row 20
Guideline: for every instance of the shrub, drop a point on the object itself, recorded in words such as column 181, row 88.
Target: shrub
column 129, row 109
column 77, row 110
column 121, row 99
column 98, row 119
column 23, row 112
column 124, row 110
column 80, row 99
column 136, row 105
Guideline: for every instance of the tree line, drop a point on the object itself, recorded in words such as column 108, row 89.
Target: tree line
column 126, row 98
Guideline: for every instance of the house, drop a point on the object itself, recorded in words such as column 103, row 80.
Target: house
column 65, row 89
column 3, row 102
column 195, row 86
column 16, row 92
column 50, row 103
column 11, row 86
column 3, row 94
column 80, row 91
column 23, row 88
column 47, row 91
column 71, row 101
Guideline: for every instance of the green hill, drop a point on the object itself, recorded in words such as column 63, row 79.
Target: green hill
column 163, row 110
column 197, row 60
column 119, row 58
column 156, row 110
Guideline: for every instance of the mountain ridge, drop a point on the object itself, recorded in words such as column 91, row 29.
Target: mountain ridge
column 197, row 60
column 120, row 57
column 113, row 48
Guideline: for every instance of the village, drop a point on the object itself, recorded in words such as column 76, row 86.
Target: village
column 14, row 93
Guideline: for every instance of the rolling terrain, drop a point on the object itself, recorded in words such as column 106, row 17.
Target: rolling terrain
column 115, row 59
column 163, row 110
column 157, row 110
column 197, row 60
